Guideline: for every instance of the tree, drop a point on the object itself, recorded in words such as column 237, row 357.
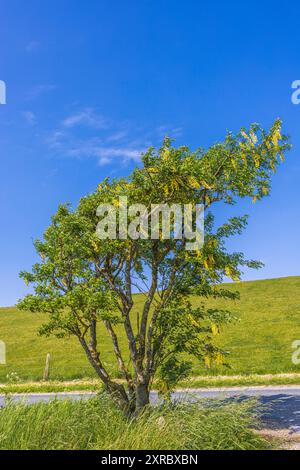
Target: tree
column 82, row 281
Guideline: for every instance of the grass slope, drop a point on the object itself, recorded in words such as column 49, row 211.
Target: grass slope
column 259, row 343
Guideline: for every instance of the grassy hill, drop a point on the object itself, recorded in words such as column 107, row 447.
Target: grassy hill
column 260, row 342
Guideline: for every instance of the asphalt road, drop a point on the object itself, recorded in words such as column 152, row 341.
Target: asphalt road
column 280, row 410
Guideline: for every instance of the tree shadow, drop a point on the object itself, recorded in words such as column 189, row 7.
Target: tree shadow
column 276, row 412
column 281, row 412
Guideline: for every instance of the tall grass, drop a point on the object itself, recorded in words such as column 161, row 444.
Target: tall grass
column 97, row 424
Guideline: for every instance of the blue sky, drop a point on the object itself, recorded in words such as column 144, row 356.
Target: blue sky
column 91, row 84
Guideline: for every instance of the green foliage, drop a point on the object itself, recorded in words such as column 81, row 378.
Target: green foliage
column 170, row 372
column 66, row 287
column 238, row 167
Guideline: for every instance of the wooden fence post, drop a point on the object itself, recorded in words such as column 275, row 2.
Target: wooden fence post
column 47, row 368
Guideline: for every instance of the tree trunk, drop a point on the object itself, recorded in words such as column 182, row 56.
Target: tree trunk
column 118, row 395
column 142, row 396
column 116, row 391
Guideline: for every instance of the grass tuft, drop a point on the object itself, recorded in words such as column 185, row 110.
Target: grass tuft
column 97, row 424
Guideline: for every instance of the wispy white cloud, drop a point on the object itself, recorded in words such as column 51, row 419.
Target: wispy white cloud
column 87, row 134
column 86, row 117
column 56, row 139
column 170, row 131
column 117, row 136
column 39, row 90
column 29, row 117
column 101, row 149
column 105, row 154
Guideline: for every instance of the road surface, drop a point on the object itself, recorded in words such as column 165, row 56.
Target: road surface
column 281, row 404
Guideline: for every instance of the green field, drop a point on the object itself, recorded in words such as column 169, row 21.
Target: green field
column 259, row 343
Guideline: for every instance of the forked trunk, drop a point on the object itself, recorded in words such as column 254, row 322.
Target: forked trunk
column 116, row 390
column 119, row 396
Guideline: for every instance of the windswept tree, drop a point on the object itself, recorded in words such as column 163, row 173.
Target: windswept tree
column 82, row 280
